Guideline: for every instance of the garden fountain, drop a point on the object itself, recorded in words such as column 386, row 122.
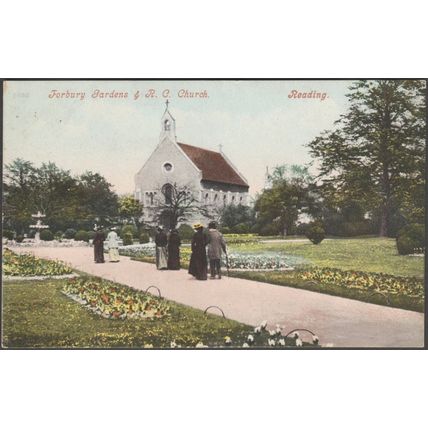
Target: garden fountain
column 38, row 226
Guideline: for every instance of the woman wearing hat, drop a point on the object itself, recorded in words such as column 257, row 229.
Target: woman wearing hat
column 198, row 259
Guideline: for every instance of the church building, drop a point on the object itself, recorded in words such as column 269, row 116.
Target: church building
column 209, row 176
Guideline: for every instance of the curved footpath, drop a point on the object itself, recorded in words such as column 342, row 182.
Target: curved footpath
column 337, row 321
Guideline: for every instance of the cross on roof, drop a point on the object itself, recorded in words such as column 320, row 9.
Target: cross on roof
column 167, row 102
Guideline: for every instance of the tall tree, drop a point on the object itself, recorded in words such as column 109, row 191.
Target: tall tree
column 376, row 151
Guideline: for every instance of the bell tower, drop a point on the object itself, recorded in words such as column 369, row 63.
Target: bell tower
column 167, row 125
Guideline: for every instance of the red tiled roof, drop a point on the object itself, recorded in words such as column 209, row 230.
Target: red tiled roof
column 213, row 165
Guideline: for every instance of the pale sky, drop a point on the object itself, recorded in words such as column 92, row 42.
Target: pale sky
column 256, row 122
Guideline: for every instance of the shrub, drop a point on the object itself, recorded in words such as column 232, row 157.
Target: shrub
column 58, row 235
column 144, row 238
column 315, row 233
column 9, row 234
column 302, row 228
column 270, row 229
column 127, row 239
column 81, row 235
column 225, row 230
column 20, row 238
column 185, row 231
column 46, row 235
column 129, row 228
column 241, row 228
column 69, row 234
column 410, row 238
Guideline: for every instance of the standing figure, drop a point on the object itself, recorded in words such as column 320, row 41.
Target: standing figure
column 198, row 260
column 161, row 241
column 174, row 243
column 216, row 245
column 113, row 245
column 99, row 246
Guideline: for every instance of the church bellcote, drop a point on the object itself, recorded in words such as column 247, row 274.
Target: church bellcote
column 167, row 125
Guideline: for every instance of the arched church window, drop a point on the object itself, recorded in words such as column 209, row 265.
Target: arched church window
column 166, row 125
column 151, row 198
column 233, row 199
column 206, row 197
column 167, row 190
column 215, row 197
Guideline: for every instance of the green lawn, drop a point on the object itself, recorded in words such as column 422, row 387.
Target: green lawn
column 362, row 254
column 37, row 315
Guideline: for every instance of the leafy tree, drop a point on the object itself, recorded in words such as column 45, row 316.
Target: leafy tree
column 292, row 193
column 234, row 215
column 98, row 200
column 130, row 209
column 18, row 203
column 67, row 201
column 376, row 151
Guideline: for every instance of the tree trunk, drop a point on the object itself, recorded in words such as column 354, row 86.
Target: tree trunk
column 384, row 221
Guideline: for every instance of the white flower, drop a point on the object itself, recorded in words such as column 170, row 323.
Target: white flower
column 281, row 341
column 200, row 345
column 278, row 329
column 263, row 325
column 227, row 340
column 245, row 345
column 257, row 330
column 299, row 342
column 173, row 344
column 315, row 340
column 272, row 333
column 271, row 342
column 296, row 335
column 250, row 338
column 148, row 345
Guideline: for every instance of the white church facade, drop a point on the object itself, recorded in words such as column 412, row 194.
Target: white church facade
column 209, row 176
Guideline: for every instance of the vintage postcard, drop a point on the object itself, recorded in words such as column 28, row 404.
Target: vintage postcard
column 213, row 214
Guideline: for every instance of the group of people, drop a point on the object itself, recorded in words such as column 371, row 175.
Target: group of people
column 209, row 243
column 168, row 251
column 112, row 245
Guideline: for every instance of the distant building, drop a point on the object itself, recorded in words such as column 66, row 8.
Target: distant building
column 210, row 176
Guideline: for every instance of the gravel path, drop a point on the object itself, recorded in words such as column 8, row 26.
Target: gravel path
column 337, row 321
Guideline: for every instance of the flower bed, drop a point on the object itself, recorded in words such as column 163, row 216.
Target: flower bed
column 28, row 265
column 237, row 261
column 257, row 262
column 112, row 300
column 378, row 282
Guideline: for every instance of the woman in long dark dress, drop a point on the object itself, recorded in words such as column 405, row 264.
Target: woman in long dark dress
column 174, row 243
column 99, row 246
column 198, row 260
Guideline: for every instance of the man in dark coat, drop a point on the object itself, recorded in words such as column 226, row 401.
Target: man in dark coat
column 161, row 241
column 98, row 242
column 216, row 245
column 174, row 243
column 198, row 260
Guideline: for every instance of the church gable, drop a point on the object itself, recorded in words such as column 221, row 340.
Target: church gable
column 167, row 164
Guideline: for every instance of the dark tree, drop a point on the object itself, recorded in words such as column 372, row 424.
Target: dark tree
column 376, row 151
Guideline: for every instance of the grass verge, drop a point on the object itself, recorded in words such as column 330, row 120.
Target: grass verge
column 37, row 315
